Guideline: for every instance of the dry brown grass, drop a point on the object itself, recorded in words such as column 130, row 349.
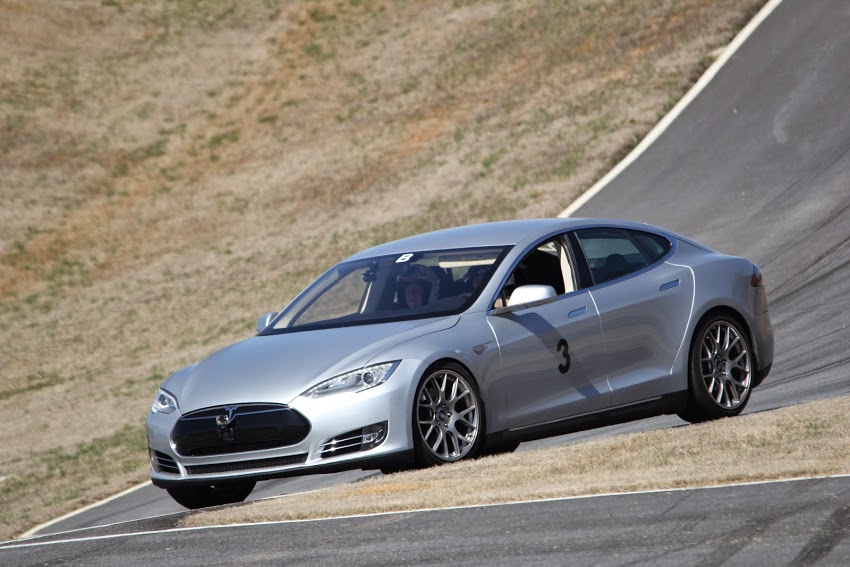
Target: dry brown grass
column 805, row 440
column 170, row 169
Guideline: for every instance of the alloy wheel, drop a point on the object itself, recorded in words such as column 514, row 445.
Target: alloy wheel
column 725, row 365
column 447, row 415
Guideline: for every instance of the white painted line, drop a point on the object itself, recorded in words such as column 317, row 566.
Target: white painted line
column 31, row 535
column 677, row 110
column 418, row 511
column 32, row 532
column 96, row 527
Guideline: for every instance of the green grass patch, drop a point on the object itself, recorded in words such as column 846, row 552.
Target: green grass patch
column 58, row 476
column 34, row 382
column 228, row 137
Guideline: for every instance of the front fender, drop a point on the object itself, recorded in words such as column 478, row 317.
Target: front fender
column 470, row 343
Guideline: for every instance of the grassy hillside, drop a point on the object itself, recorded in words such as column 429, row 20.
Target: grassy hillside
column 171, row 169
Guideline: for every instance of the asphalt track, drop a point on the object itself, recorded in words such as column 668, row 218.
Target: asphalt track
column 797, row 523
column 757, row 165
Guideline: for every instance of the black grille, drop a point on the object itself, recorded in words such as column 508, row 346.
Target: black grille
column 248, row 465
column 164, row 463
column 237, row 429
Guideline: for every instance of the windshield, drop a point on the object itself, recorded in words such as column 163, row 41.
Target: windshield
column 392, row 288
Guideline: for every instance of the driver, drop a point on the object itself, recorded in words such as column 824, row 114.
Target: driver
column 418, row 286
column 414, row 294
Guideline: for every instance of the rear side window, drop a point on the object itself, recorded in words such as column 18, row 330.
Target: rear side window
column 654, row 244
column 612, row 253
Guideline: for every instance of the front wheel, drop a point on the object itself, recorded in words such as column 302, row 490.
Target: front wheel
column 448, row 416
column 203, row 496
column 720, row 371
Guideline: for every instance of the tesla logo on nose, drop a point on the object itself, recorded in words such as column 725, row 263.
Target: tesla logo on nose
column 224, row 423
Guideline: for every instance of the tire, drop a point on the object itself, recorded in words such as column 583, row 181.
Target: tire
column 721, row 370
column 448, row 416
column 402, row 464
column 200, row 496
column 392, row 469
column 500, row 448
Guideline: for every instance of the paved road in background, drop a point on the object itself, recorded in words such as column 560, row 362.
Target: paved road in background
column 758, row 165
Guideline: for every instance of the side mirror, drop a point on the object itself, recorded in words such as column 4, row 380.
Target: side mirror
column 525, row 294
column 264, row 320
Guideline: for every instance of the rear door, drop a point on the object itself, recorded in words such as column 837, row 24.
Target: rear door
column 644, row 305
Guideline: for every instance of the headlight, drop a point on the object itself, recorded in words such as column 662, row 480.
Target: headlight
column 164, row 403
column 354, row 381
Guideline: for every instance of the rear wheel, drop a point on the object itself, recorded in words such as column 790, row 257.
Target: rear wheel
column 203, row 496
column 448, row 416
column 720, row 372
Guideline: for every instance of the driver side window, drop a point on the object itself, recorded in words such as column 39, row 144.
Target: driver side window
column 547, row 264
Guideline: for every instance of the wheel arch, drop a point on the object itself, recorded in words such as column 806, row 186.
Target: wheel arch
column 730, row 312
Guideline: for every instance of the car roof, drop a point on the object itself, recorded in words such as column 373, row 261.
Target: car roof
column 503, row 233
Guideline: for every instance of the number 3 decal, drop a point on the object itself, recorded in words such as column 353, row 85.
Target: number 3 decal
column 564, row 349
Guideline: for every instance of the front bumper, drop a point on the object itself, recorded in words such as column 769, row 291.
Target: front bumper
column 332, row 418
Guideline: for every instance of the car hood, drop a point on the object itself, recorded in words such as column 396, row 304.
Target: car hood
column 277, row 368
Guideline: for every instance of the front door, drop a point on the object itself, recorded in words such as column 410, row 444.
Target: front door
column 553, row 361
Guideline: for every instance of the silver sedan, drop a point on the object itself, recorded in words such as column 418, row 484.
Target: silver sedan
column 462, row 342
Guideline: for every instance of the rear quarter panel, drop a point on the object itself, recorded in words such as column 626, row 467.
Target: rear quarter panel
column 720, row 281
